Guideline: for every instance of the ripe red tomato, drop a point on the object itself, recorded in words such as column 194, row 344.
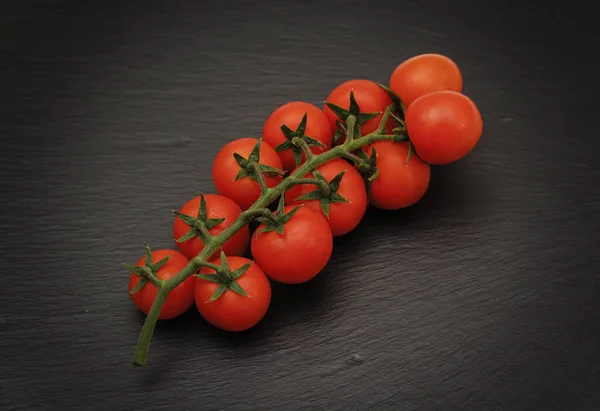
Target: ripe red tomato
column 217, row 207
column 179, row 299
column 300, row 253
column 424, row 74
column 232, row 311
column 398, row 184
column 291, row 114
column 444, row 126
column 244, row 191
column 343, row 216
column 370, row 98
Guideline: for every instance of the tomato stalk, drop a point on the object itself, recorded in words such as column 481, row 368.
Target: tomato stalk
column 259, row 209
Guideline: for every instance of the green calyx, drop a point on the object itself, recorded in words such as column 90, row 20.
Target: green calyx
column 343, row 114
column 278, row 220
column 226, row 278
column 368, row 166
column 251, row 167
column 327, row 193
column 200, row 224
column 398, row 107
column 295, row 138
column 147, row 272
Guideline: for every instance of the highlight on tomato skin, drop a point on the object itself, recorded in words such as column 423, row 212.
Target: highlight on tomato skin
column 315, row 129
column 217, row 207
column 400, row 183
column 424, row 74
column 244, row 191
column 300, row 253
column 444, row 126
column 179, row 300
column 232, row 311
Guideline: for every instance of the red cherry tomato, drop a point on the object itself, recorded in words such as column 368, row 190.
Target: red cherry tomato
column 398, row 184
column 291, row 114
column 179, row 299
column 217, row 206
column 343, row 216
column 232, row 311
column 370, row 98
column 244, row 191
column 444, row 126
column 300, row 253
column 425, row 74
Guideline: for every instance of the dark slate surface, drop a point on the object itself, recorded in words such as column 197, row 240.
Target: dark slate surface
column 485, row 296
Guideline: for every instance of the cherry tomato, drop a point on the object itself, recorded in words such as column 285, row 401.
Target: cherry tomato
column 179, row 300
column 300, row 253
column 444, row 126
column 343, row 216
column 233, row 311
column 244, row 191
column 370, row 99
column 424, row 74
column 398, row 184
column 217, row 207
column 291, row 114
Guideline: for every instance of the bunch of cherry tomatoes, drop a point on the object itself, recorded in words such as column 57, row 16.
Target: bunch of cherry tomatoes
column 233, row 292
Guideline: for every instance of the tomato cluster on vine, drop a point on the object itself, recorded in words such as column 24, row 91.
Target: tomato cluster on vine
column 423, row 104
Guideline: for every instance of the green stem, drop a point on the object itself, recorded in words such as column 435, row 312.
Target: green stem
column 300, row 142
column 268, row 196
column 322, row 185
column 354, row 158
column 206, row 236
column 255, row 169
column 141, row 350
column 350, row 126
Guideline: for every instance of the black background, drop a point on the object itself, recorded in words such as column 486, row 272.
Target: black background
column 484, row 296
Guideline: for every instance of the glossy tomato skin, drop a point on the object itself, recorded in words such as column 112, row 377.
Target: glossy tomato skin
column 425, row 74
column 444, row 126
column 398, row 185
column 232, row 311
column 217, row 206
column 179, row 300
column 300, row 253
column 343, row 217
column 290, row 114
column 370, row 98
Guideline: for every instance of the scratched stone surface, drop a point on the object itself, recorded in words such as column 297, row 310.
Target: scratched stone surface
column 484, row 296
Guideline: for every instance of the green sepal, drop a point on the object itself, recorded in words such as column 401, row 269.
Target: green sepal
column 139, row 285
column 213, row 278
column 237, row 288
column 191, row 233
column 213, row 222
column 411, row 151
column 354, row 110
column 337, row 198
column 188, row 220
column 280, row 217
column 312, row 195
column 398, row 106
column 326, row 200
column 235, row 274
column 340, row 131
column 148, row 255
column 218, row 292
column 159, row 264
column 290, row 134
column 325, row 205
column 224, row 262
